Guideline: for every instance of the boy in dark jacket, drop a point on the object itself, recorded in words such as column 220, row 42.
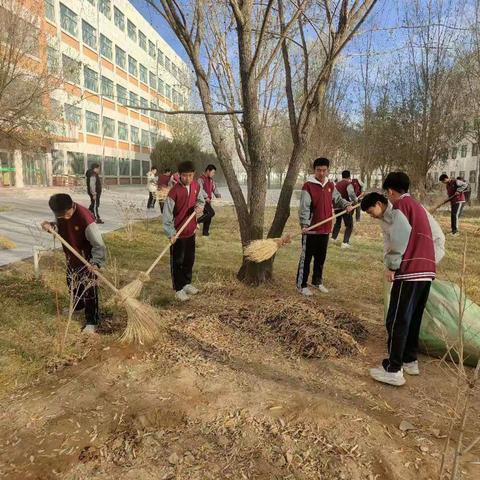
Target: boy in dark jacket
column 184, row 198
column 77, row 226
column 347, row 191
column 456, row 193
column 207, row 184
column 94, row 190
column 410, row 263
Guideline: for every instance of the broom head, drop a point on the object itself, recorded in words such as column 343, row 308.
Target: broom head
column 162, row 193
column 133, row 289
column 143, row 324
column 262, row 250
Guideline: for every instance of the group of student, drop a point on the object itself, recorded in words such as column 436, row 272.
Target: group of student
column 413, row 245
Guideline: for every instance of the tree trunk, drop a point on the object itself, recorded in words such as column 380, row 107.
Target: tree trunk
column 255, row 274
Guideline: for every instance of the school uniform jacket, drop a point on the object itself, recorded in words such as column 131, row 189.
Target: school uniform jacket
column 457, row 187
column 83, row 234
column 152, row 181
column 163, row 181
column 179, row 205
column 316, row 202
column 413, row 241
column 346, row 190
column 357, row 186
column 209, row 186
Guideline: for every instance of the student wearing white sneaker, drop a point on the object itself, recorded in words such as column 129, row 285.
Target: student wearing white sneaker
column 183, row 198
column 318, row 195
column 413, row 245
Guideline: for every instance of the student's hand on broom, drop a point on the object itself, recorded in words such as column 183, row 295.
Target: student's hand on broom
column 47, row 226
column 198, row 209
column 173, row 239
column 349, row 208
column 389, row 275
column 304, row 229
column 285, row 240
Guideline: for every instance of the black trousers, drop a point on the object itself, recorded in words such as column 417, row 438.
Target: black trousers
column 94, row 205
column 151, row 200
column 206, row 218
column 313, row 246
column 161, row 203
column 85, row 292
column 404, row 316
column 182, row 258
column 348, row 220
column 455, row 214
column 358, row 214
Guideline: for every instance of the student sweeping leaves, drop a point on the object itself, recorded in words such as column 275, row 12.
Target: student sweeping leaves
column 209, row 186
column 318, row 195
column 456, row 193
column 413, row 245
column 163, row 186
column 76, row 225
column 347, row 191
column 184, row 198
column 94, row 189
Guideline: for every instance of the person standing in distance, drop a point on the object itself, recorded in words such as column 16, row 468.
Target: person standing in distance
column 210, row 188
column 94, row 190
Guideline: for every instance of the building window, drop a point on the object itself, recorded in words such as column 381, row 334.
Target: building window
column 167, row 64
column 107, row 87
column 50, row 9
column 454, row 152
column 160, row 57
column 76, row 163
column 132, row 66
column 144, row 105
column 68, row 20
column 71, row 69
column 106, row 47
column 89, row 35
column 153, row 139
column 463, row 151
column 142, row 40
column 91, row 159
column 472, row 178
column 168, row 91
column 119, row 19
column 124, row 167
column 161, row 87
column 133, row 99
column 90, row 79
column 134, row 137
column 474, row 149
column 174, row 96
column 105, row 7
column 145, row 138
column 153, row 81
column 52, row 60
column 122, row 131
column 143, row 74
column 92, row 124
column 121, row 94
column 153, row 113
column 452, row 174
column 120, row 57
column 110, row 166
column 108, row 127
column 132, row 31
column 73, row 115
column 145, row 167
column 136, row 166
column 152, row 49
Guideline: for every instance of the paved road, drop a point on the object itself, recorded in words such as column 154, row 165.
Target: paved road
column 21, row 212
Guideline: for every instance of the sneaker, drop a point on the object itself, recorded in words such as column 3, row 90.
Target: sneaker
column 89, row 328
column 392, row 378
column 333, row 240
column 411, row 368
column 306, row 292
column 182, row 296
column 454, row 234
column 190, row 289
column 346, row 245
column 322, row 288
column 99, row 221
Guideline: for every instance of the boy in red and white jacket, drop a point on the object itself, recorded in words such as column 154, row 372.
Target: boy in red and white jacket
column 209, row 186
column 410, row 263
column 456, row 193
column 183, row 199
column 347, row 192
column 316, row 200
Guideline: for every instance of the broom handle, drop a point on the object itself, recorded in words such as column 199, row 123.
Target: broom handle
column 80, row 257
column 311, row 227
column 434, row 209
column 164, row 251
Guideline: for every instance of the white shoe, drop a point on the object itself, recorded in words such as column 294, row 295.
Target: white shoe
column 454, row 234
column 306, row 292
column 89, row 328
column 322, row 288
column 392, row 378
column 182, row 296
column 411, row 368
column 333, row 240
column 190, row 289
column 346, row 245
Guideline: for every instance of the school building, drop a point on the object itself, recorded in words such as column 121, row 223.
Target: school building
column 111, row 60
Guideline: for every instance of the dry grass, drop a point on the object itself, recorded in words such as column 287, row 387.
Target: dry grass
column 6, row 243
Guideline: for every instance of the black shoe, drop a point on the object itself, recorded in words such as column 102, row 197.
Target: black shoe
column 99, row 220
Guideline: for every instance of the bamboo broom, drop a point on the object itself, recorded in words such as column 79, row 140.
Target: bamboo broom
column 134, row 288
column 143, row 320
column 434, row 209
column 261, row 250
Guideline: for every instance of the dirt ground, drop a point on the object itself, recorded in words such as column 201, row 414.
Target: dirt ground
column 244, row 384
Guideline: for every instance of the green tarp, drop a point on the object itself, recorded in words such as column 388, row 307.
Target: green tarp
column 439, row 330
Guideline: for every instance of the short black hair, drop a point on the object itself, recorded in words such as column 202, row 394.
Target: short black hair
column 186, row 167
column 94, row 165
column 397, row 181
column 443, row 177
column 346, row 174
column 321, row 162
column 370, row 199
column 60, row 203
column 154, row 168
column 166, row 170
column 210, row 167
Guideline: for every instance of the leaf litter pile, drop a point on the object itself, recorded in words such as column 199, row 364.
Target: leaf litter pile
column 308, row 331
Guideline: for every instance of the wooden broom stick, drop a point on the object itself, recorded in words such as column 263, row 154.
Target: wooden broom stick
column 434, row 209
